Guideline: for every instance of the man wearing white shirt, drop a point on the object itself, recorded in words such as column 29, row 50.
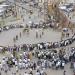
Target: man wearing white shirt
column 42, row 72
column 26, row 65
column 26, row 73
column 63, row 64
column 20, row 65
column 37, row 73
column 58, row 64
column 1, row 67
column 16, row 63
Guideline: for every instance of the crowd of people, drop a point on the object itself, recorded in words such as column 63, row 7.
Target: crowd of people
column 24, row 62
column 32, row 25
column 44, row 46
column 38, row 61
column 8, row 27
column 38, row 57
column 46, row 57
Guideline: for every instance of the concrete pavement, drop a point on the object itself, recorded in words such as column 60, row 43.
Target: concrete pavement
column 6, row 37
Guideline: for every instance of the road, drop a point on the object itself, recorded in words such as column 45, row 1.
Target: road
column 6, row 37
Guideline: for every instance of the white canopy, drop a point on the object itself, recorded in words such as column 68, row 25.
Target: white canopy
column 3, row 5
column 1, row 10
column 1, row 48
column 62, row 7
column 66, row 29
column 30, row 22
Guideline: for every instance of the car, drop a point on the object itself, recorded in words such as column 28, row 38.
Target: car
column 73, row 37
column 11, row 26
column 0, row 29
column 5, row 28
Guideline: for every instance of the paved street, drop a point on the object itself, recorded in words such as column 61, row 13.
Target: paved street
column 49, row 35
column 6, row 37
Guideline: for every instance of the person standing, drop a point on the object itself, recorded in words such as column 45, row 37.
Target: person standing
column 36, row 34
column 64, row 73
column 42, row 32
column 14, row 40
column 20, row 34
column 26, row 73
column 16, row 37
column 38, row 72
column 40, row 35
column 30, row 73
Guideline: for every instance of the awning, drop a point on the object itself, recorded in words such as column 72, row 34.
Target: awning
column 62, row 7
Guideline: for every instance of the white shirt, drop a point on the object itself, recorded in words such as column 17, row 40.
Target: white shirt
column 42, row 72
column 38, row 67
column 41, row 46
column 16, row 63
column 25, row 60
column 74, row 65
column 63, row 64
column 23, row 64
column 43, row 64
column 58, row 63
column 26, row 65
column 16, row 68
column 37, row 73
column 3, row 62
column 13, row 60
column 0, row 65
column 20, row 65
column 26, row 74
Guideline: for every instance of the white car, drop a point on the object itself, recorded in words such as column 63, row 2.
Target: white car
column 0, row 29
